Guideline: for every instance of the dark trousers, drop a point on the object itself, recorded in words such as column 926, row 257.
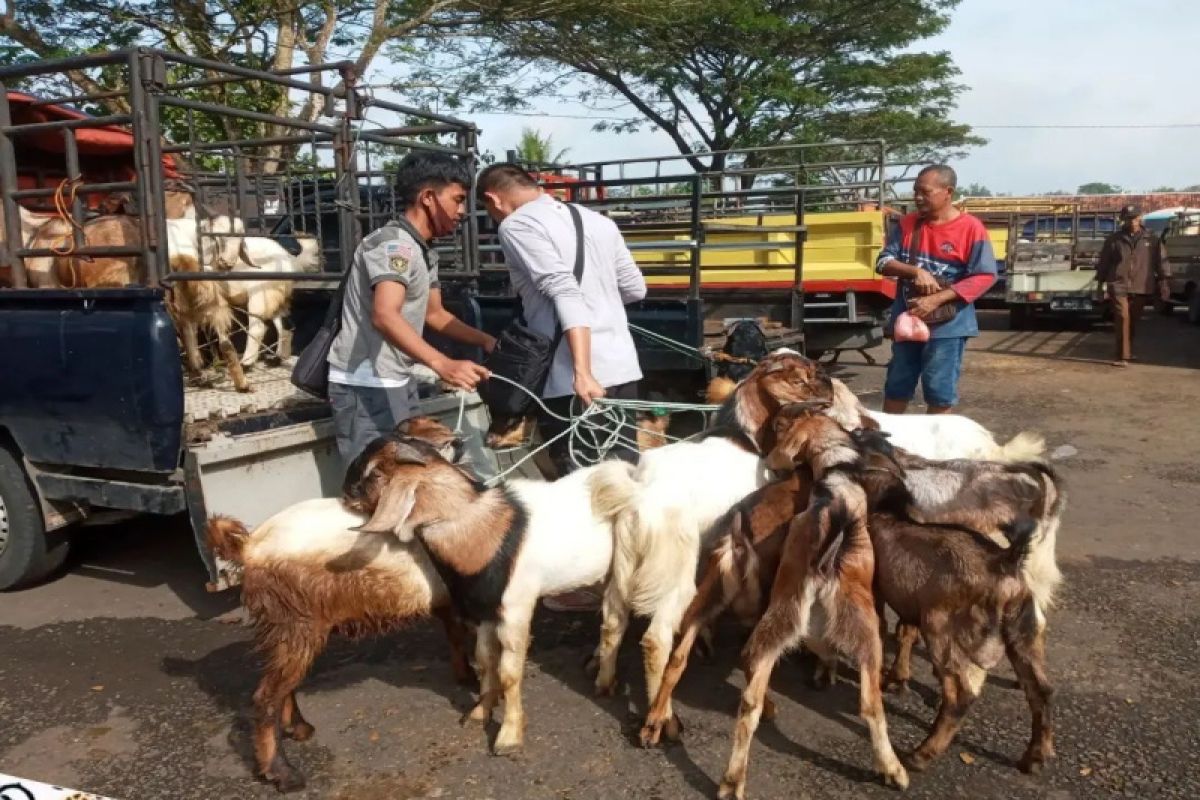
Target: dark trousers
column 1127, row 309
column 560, row 450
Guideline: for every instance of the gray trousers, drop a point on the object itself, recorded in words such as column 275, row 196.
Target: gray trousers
column 361, row 414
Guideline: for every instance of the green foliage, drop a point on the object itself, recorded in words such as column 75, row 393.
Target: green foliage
column 975, row 190
column 538, row 149
column 1099, row 187
column 719, row 74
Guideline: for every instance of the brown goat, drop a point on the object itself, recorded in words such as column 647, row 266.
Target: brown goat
column 85, row 272
column 739, row 573
column 947, row 575
column 822, row 597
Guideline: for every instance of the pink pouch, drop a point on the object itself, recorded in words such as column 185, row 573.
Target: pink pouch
column 910, row 329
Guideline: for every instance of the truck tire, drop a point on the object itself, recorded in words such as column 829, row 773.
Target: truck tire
column 26, row 554
column 1019, row 317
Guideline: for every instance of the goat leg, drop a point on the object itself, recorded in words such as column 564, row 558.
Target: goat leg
column 513, row 633
column 283, row 346
column 232, row 363
column 959, row 691
column 870, row 664
column 900, row 673
column 656, row 650
column 758, row 677
column 191, row 349
column 456, row 635
column 487, row 658
column 615, row 613
column 1026, row 652
column 292, row 722
column 289, row 659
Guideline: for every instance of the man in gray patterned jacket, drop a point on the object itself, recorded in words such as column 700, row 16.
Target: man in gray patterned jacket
column 392, row 295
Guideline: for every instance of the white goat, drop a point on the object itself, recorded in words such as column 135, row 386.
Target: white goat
column 267, row 300
column 664, row 513
column 935, row 436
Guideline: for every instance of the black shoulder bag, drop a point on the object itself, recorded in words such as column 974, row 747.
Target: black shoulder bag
column 311, row 372
column 522, row 354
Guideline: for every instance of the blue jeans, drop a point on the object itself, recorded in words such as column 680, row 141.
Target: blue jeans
column 936, row 363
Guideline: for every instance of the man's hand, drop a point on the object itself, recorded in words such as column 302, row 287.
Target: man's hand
column 587, row 388
column 464, row 375
column 922, row 307
column 489, row 344
column 925, row 283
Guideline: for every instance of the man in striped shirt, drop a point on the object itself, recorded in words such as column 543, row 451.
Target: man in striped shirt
column 941, row 256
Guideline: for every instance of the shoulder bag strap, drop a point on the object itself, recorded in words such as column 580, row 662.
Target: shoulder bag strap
column 576, row 218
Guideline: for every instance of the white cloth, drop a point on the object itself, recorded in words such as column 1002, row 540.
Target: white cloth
column 538, row 241
column 364, row 375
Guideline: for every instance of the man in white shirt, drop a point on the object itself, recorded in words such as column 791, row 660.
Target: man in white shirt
column 538, row 238
column 392, row 295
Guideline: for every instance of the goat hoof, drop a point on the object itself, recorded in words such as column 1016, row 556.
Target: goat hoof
column 477, row 715
column 606, row 688
column 650, row 734
column 731, row 791
column 896, row 686
column 674, row 728
column 896, row 777
column 506, row 750
column 1031, row 764
column 286, row 780
column 918, row 761
column 300, row 732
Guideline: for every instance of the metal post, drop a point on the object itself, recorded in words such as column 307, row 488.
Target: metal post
column 345, row 178
column 467, row 142
column 8, row 185
column 148, row 74
column 697, row 238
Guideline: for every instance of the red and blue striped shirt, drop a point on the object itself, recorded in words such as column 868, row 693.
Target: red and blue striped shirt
column 958, row 251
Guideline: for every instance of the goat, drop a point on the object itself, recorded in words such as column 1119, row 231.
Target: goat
column 990, row 498
column 84, row 272
column 822, row 597
column 498, row 550
column 937, row 436
column 968, row 594
column 267, row 300
column 664, row 512
column 308, row 572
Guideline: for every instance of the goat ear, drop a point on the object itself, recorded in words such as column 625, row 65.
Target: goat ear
column 406, row 453
column 395, row 506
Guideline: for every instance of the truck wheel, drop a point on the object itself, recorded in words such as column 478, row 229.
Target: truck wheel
column 1019, row 318
column 26, row 555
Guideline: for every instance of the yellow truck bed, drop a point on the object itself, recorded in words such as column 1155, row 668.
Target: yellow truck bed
column 840, row 246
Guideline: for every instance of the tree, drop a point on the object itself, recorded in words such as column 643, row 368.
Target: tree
column 258, row 34
column 1164, row 189
column 975, row 190
column 1099, row 187
column 722, row 74
column 537, row 149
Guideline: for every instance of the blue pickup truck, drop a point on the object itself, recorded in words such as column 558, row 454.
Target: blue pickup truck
column 96, row 412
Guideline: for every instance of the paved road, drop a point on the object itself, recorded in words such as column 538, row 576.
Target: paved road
column 119, row 679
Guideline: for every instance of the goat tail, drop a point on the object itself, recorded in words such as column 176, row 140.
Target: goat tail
column 1040, row 569
column 614, row 490
column 1025, row 446
column 1020, row 534
column 226, row 537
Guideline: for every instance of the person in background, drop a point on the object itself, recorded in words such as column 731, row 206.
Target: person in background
column 597, row 357
column 392, row 295
column 1131, row 271
column 941, row 255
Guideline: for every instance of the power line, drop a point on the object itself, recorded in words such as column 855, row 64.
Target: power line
column 1093, row 126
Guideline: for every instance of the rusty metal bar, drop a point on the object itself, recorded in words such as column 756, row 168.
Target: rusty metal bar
column 8, row 182
column 230, row 143
column 58, row 124
column 253, row 116
column 84, row 188
column 59, row 65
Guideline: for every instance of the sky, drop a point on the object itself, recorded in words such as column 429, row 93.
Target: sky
column 1024, row 62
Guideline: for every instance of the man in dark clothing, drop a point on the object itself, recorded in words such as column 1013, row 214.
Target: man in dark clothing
column 1133, row 269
